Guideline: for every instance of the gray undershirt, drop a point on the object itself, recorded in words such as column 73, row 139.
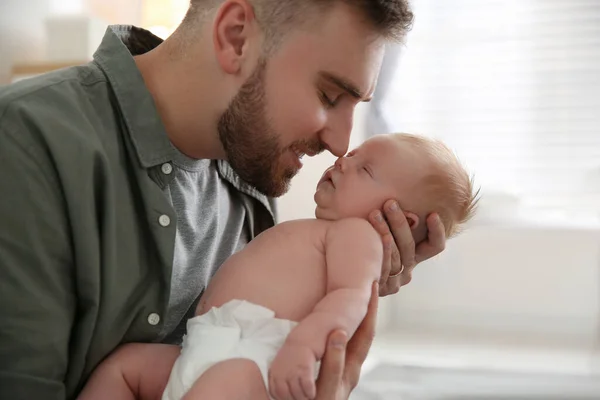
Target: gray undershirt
column 210, row 228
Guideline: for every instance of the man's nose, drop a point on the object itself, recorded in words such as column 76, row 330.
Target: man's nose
column 339, row 147
column 336, row 137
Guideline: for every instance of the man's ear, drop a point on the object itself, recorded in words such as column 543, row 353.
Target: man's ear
column 232, row 31
column 413, row 220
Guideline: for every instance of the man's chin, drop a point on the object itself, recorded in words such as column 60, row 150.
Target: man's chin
column 282, row 185
column 273, row 190
column 273, row 186
column 278, row 192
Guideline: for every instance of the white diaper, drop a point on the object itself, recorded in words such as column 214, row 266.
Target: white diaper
column 238, row 329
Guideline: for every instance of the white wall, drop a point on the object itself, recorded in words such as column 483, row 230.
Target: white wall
column 22, row 25
column 525, row 283
column 21, row 33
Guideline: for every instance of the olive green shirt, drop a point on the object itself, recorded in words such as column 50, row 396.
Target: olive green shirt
column 86, row 231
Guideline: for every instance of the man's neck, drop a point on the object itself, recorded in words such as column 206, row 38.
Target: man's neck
column 185, row 96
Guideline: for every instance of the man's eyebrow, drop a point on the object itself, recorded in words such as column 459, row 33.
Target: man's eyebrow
column 346, row 86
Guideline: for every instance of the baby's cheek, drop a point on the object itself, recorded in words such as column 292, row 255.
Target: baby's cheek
column 371, row 201
column 354, row 205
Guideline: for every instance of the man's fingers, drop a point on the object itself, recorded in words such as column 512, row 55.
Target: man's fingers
column 332, row 366
column 392, row 265
column 388, row 247
column 403, row 236
column 395, row 258
column 436, row 239
column 391, row 259
column 379, row 223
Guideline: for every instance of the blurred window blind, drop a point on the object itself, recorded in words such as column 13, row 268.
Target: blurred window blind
column 514, row 87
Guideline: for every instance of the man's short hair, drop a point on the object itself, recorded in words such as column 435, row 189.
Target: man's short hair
column 391, row 19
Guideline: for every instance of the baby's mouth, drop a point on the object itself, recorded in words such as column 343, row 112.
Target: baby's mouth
column 327, row 176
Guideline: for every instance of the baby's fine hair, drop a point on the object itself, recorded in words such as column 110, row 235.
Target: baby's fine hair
column 448, row 189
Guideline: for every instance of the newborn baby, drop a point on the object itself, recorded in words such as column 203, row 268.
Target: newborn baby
column 261, row 326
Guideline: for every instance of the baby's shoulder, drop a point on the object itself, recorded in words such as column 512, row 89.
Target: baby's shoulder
column 318, row 231
column 353, row 226
column 298, row 233
column 312, row 227
column 301, row 226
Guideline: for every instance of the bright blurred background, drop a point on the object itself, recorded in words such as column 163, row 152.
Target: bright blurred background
column 511, row 310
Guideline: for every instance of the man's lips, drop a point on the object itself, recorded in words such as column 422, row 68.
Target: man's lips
column 298, row 152
column 301, row 151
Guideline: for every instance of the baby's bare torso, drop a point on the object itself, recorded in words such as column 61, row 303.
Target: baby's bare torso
column 283, row 269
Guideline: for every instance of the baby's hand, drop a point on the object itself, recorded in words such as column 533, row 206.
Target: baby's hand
column 292, row 373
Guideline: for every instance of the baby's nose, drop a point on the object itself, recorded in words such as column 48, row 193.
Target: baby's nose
column 340, row 163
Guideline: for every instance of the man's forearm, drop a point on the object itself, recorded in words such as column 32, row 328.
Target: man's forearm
column 343, row 309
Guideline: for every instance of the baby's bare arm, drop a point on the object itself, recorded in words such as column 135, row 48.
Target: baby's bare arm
column 135, row 371
column 353, row 252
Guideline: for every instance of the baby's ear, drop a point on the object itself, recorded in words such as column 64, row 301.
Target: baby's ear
column 413, row 220
column 418, row 230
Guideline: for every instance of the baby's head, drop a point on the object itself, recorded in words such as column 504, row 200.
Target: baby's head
column 421, row 173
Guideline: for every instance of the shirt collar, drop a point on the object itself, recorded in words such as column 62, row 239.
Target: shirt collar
column 147, row 132
column 114, row 55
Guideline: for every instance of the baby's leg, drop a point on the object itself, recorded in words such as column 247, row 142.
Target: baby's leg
column 235, row 379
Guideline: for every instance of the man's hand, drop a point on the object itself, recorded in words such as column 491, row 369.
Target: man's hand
column 399, row 245
column 341, row 365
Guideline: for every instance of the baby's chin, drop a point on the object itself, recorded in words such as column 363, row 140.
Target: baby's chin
column 324, row 214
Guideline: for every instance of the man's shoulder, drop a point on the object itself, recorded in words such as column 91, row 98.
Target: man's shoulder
column 59, row 86
column 58, row 107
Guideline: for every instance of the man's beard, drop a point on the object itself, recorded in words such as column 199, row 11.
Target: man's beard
column 251, row 144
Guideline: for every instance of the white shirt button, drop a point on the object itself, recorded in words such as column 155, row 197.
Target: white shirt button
column 164, row 220
column 153, row 319
column 166, row 168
